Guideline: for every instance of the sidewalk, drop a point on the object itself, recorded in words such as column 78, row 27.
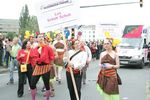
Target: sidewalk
column 3, row 69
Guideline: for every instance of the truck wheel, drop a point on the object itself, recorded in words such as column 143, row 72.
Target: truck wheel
column 142, row 64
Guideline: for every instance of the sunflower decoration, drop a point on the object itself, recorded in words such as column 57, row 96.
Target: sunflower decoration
column 56, row 32
column 115, row 42
column 27, row 35
column 48, row 37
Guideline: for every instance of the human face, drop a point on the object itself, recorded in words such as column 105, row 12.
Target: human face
column 107, row 44
column 58, row 36
column 40, row 38
column 77, row 45
column 28, row 45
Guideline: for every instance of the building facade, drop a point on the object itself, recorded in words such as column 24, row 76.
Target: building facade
column 9, row 25
column 88, row 33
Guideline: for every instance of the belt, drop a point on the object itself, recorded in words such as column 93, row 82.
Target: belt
column 42, row 64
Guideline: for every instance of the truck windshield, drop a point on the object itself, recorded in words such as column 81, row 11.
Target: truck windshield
column 131, row 42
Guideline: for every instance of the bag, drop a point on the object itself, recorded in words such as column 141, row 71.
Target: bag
column 23, row 68
column 119, row 79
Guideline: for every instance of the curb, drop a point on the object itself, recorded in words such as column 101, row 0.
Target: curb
column 3, row 70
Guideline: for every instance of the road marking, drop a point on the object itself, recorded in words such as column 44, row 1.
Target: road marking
column 125, row 98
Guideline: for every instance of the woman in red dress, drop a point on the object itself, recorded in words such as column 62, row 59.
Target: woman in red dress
column 24, row 57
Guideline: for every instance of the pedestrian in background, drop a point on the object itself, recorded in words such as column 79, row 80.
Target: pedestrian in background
column 13, row 63
column 107, row 82
column 7, row 49
column 1, row 49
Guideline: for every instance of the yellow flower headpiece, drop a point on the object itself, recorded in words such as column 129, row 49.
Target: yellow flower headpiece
column 48, row 36
column 27, row 35
column 115, row 42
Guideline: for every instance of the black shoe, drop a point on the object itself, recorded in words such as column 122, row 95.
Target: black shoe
column 20, row 95
column 59, row 82
column 10, row 83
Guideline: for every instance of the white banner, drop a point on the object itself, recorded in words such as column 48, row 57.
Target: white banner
column 56, row 14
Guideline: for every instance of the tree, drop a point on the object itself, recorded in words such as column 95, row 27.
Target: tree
column 27, row 22
column 11, row 35
column 33, row 24
column 24, row 20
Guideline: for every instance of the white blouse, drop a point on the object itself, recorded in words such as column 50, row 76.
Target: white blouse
column 78, row 60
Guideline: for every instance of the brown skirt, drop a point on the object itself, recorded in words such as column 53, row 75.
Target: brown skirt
column 108, row 84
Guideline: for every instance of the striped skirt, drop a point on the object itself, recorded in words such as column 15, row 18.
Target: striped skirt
column 39, row 70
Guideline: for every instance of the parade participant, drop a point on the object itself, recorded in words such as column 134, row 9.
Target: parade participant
column 13, row 63
column 76, row 61
column 107, row 82
column 48, row 41
column 44, row 56
column 25, row 67
column 60, row 47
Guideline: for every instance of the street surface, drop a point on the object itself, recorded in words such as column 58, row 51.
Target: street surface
column 135, row 82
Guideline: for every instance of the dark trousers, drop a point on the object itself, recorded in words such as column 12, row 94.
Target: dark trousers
column 45, row 77
column 7, row 57
column 78, row 79
column 1, row 57
column 21, row 76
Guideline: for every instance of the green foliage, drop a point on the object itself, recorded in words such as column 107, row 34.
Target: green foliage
column 11, row 35
column 27, row 22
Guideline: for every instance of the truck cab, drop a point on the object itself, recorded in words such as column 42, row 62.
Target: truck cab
column 133, row 48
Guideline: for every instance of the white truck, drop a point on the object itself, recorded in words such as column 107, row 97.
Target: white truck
column 133, row 49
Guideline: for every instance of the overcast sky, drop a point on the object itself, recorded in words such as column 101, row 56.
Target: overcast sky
column 121, row 14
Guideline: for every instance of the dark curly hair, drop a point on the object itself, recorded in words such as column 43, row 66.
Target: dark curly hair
column 24, row 44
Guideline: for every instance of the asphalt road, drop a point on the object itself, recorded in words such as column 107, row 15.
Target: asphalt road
column 134, row 87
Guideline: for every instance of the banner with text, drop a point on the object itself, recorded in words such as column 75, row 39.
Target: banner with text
column 56, row 14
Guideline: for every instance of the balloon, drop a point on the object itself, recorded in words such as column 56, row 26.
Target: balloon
column 79, row 33
column 67, row 33
column 107, row 35
column 115, row 42
column 48, row 36
column 37, row 33
column 27, row 34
